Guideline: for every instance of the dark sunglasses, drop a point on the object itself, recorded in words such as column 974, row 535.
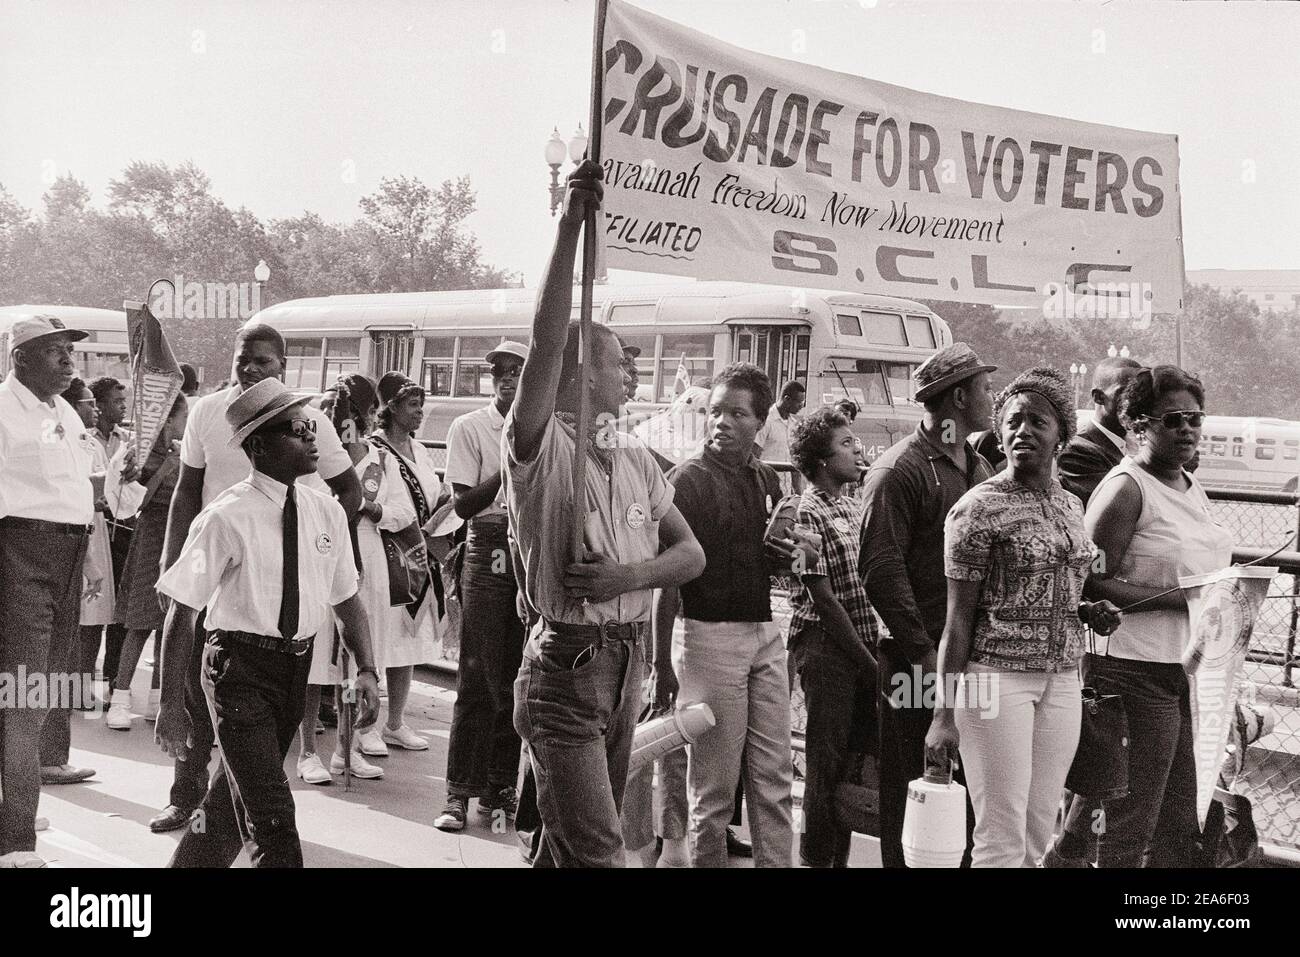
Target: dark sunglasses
column 298, row 428
column 1173, row 420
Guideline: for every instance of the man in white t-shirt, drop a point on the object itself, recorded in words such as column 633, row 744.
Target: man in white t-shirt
column 209, row 466
column 772, row 443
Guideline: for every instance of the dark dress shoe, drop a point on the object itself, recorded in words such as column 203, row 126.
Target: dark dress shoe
column 738, row 846
column 171, row 819
column 65, row 774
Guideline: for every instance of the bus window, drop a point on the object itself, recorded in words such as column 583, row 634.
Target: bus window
column 645, row 364
column 901, row 386
column 438, row 356
column 1238, row 449
column 696, row 350
column 919, row 332
column 302, row 363
column 885, row 328
column 1262, row 452
column 342, row 357
column 860, row 378
column 473, row 375
column 848, row 325
column 95, row 364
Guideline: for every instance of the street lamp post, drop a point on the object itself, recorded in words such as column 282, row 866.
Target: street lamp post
column 554, row 152
column 261, row 273
column 1078, row 371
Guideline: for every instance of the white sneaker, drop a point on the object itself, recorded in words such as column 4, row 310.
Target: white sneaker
column 151, row 709
column 312, row 771
column 369, row 742
column 119, row 711
column 404, row 737
column 361, row 768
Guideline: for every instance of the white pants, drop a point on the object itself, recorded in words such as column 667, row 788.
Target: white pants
column 739, row 670
column 1017, row 753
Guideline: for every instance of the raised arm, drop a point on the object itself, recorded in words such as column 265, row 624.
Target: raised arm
column 540, row 379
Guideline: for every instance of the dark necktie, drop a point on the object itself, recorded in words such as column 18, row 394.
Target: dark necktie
column 289, row 577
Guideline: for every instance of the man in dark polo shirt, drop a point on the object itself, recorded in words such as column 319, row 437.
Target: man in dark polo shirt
column 730, row 655
column 908, row 494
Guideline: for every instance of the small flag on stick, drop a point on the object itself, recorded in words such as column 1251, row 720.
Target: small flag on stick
column 681, row 381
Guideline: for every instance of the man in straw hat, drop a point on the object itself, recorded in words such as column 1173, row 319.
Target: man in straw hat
column 578, row 692
column 483, row 750
column 210, row 466
column 267, row 560
column 908, row 493
column 46, row 509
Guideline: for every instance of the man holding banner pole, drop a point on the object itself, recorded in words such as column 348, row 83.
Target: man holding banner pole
column 577, row 693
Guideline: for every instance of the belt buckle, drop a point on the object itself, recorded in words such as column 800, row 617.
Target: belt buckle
column 298, row 652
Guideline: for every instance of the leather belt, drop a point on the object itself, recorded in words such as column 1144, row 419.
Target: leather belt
column 40, row 525
column 608, row 631
column 295, row 646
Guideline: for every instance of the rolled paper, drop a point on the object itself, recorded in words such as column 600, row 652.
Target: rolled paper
column 659, row 736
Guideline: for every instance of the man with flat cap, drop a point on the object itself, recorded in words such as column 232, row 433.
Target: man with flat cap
column 46, row 509
column 267, row 560
column 483, row 750
column 908, row 493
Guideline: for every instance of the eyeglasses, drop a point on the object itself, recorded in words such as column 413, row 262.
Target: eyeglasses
column 1172, row 420
column 298, row 428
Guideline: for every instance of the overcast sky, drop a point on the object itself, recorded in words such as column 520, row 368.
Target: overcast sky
column 295, row 104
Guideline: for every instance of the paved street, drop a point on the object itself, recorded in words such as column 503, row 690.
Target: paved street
column 383, row 823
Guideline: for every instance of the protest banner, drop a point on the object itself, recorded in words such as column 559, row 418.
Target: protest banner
column 1223, row 606
column 721, row 163
column 155, row 376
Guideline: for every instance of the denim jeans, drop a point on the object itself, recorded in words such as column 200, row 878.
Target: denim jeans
column 483, row 751
column 1017, row 751
column 578, row 724
column 739, row 670
column 841, row 722
column 256, row 699
column 40, row 606
column 1157, row 824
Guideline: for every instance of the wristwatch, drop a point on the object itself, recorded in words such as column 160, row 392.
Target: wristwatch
column 368, row 670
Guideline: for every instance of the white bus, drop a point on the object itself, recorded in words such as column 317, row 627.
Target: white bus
column 1240, row 454
column 837, row 344
column 102, row 352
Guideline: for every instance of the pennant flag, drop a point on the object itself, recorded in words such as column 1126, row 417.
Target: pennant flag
column 1223, row 606
column 155, row 376
column 681, row 381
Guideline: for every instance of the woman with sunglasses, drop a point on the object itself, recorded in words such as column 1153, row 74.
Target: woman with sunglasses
column 1151, row 520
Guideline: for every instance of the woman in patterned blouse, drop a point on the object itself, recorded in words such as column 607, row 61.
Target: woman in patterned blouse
column 1016, row 556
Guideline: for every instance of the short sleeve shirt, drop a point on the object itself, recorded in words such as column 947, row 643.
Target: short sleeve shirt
column 1029, row 551
column 624, row 509
column 474, row 452
column 206, row 445
column 837, row 521
column 727, row 507
column 232, row 561
column 773, row 436
column 45, row 457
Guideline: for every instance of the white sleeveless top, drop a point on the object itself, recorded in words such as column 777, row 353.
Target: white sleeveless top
column 1175, row 536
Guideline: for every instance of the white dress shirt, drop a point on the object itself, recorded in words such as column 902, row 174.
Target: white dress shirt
column 773, row 437
column 45, row 457
column 232, row 560
column 474, row 452
column 206, row 445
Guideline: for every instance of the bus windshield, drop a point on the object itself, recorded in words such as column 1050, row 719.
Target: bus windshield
column 862, row 380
